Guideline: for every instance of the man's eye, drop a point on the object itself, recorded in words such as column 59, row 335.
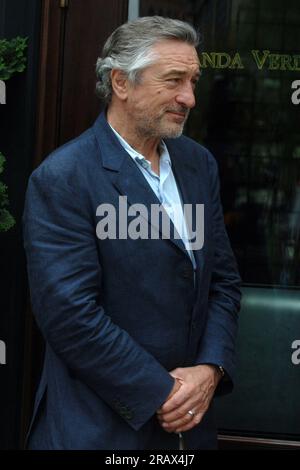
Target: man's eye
column 173, row 80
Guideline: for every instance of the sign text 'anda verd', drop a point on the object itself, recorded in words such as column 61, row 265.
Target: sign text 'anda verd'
column 263, row 60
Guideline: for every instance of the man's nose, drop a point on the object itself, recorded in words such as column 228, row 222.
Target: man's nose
column 186, row 96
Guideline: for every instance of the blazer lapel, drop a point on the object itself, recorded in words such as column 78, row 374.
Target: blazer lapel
column 189, row 184
column 128, row 179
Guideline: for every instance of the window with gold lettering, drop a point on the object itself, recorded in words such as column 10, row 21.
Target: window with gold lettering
column 248, row 116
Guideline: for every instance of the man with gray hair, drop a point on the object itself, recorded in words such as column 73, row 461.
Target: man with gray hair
column 139, row 325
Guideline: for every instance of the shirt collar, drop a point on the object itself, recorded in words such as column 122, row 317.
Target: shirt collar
column 164, row 153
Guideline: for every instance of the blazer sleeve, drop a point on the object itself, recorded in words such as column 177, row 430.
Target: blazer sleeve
column 218, row 344
column 65, row 283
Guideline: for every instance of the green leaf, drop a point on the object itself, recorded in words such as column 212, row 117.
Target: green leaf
column 12, row 56
column 6, row 219
column 2, row 161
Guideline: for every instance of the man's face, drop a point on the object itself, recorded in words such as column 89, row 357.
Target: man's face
column 158, row 105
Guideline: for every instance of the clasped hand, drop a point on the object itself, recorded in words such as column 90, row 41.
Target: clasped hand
column 192, row 392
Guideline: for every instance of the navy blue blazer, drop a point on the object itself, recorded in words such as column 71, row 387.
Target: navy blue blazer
column 117, row 315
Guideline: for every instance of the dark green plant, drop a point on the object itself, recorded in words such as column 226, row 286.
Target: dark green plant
column 12, row 60
column 6, row 219
column 12, row 56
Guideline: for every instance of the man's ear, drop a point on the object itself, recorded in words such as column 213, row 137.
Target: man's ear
column 119, row 83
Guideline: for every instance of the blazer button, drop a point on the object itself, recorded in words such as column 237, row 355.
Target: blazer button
column 188, row 273
column 128, row 415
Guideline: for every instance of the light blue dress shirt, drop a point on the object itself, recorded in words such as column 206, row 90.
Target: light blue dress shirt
column 164, row 186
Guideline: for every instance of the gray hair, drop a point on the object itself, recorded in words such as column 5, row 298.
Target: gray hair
column 129, row 48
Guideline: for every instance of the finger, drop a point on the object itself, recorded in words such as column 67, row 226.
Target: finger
column 177, row 400
column 201, row 404
column 184, row 419
column 179, row 413
column 187, row 427
column 179, row 423
column 184, row 425
column 177, row 374
column 191, row 404
column 190, row 425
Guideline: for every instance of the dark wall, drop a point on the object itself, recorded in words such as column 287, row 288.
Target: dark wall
column 40, row 114
column 17, row 130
